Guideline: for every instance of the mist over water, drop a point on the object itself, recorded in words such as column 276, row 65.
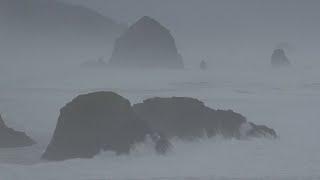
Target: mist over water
column 282, row 99
column 239, row 77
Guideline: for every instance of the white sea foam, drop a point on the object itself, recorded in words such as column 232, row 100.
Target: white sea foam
column 287, row 100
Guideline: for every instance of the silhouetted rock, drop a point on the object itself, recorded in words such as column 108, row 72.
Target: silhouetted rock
column 94, row 122
column 146, row 44
column 279, row 58
column 189, row 118
column 261, row 131
column 10, row 138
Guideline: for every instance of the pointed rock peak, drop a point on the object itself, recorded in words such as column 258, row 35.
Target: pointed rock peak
column 147, row 19
column 147, row 22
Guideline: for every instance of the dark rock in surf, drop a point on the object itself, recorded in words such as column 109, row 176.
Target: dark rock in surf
column 189, row 118
column 146, row 44
column 101, row 121
column 9, row 138
column 94, row 122
column 279, row 58
column 261, row 131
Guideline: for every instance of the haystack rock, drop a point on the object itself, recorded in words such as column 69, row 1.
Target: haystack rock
column 146, row 44
column 279, row 58
column 100, row 121
column 10, row 138
column 189, row 118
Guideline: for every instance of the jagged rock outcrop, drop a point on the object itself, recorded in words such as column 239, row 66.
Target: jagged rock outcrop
column 189, row 118
column 105, row 121
column 146, row 44
column 9, row 138
column 101, row 121
column 279, row 58
column 260, row 131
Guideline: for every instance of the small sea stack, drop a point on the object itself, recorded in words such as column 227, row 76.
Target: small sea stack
column 279, row 59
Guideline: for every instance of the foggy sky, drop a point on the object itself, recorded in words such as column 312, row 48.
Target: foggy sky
column 225, row 24
column 226, row 30
column 293, row 17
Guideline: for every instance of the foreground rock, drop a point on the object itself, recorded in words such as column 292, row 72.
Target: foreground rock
column 189, row 118
column 94, row 122
column 105, row 121
column 10, row 138
column 279, row 58
column 146, row 44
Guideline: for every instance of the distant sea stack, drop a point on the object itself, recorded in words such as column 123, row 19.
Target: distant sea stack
column 146, row 44
column 279, row 58
column 10, row 138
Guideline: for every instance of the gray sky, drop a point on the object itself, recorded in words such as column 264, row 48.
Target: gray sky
column 232, row 25
column 211, row 17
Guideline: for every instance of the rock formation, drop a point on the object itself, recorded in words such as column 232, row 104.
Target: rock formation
column 55, row 30
column 105, row 121
column 94, row 122
column 146, row 44
column 279, row 58
column 189, row 118
column 10, row 138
